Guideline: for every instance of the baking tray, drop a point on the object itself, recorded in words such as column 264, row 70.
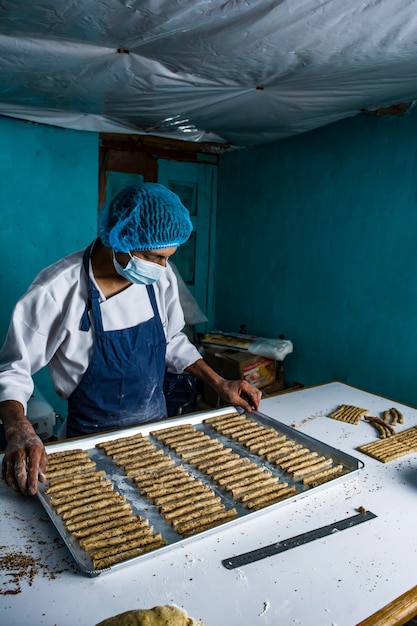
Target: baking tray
column 142, row 506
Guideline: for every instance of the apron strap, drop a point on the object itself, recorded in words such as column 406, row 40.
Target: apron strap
column 93, row 298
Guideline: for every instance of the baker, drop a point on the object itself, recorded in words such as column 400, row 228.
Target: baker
column 107, row 321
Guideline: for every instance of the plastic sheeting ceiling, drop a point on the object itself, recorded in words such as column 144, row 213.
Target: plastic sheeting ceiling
column 241, row 72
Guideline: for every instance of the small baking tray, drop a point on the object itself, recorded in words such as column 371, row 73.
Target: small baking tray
column 144, row 507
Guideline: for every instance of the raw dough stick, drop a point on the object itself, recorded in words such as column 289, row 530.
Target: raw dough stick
column 269, row 447
column 312, row 468
column 194, row 457
column 65, row 506
column 223, row 419
column 262, row 440
column 127, row 545
column 304, row 463
column 336, row 469
column 230, row 471
column 61, row 484
column 174, row 483
column 245, row 488
column 170, row 497
column 235, row 431
column 207, row 521
column 171, row 506
column 99, row 543
column 168, row 488
column 234, row 478
column 189, row 455
column 121, row 441
column 389, row 455
column 178, row 493
column 132, row 453
column 193, row 515
column 127, row 447
column 93, row 506
column 81, row 491
column 400, row 416
column 178, row 436
column 261, row 503
column 160, row 477
column 134, row 471
column 193, row 510
column 267, row 492
column 406, row 438
column 62, row 453
column 134, row 448
column 112, row 524
column 68, row 469
column 397, row 417
column 282, row 490
column 146, row 459
column 130, row 525
column 226, row 429
column 305, row 458
column 53, row 461
column 265, row 444
column 283, row 451
column 174, row 431
column 386, row 416
column 239, row 429
column 162, row 473
column 106, row 562
column 234, row 460
column 385, row 430
column 266, row 432
column 298, row 451
column 145, row 485
column 91, row 513
column 348, row 413
column 195, row 444
column 226, row 456
column 97, row 517
column 247, row 497
column 251, row 433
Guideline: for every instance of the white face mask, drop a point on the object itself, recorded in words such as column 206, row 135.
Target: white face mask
column 139, row 271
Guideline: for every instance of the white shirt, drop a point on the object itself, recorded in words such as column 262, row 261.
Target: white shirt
column 44, row 329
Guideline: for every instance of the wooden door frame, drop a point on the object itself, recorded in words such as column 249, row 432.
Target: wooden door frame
column 139, row 154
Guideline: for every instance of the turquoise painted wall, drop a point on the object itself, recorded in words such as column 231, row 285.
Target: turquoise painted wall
column 317, row 239
column 48, row 200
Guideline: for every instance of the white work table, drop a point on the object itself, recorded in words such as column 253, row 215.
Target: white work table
column 339, row 580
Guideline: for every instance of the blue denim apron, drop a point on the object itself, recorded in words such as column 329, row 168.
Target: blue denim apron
column 123, row 384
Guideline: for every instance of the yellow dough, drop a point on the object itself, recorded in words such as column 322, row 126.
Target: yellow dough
column 158, row 616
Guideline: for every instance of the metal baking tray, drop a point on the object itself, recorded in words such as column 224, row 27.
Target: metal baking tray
column 142, row 506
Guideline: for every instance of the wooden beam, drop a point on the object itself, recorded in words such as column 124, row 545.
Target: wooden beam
column 396, row 613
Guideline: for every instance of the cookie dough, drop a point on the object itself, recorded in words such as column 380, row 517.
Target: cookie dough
column 158, row 616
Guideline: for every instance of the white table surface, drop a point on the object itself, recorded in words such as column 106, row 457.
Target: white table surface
column 335, row 581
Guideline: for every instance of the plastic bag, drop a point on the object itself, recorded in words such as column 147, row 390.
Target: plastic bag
column 271, row 348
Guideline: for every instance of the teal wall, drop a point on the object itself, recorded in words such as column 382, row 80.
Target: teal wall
column 48, row 203
column 317, row 239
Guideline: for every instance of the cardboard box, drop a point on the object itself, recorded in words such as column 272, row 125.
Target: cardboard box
column 257, row 370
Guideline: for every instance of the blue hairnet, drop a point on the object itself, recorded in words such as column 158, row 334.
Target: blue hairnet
column 146, row 216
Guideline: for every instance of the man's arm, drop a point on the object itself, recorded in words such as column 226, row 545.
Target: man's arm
column 24, row 462
column 236, row 392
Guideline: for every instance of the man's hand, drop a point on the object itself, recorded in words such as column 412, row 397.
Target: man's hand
column 236, row 392
column 240, row 393
column 24, row 462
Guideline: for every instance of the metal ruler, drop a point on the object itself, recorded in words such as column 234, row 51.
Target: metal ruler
column 298, row 540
